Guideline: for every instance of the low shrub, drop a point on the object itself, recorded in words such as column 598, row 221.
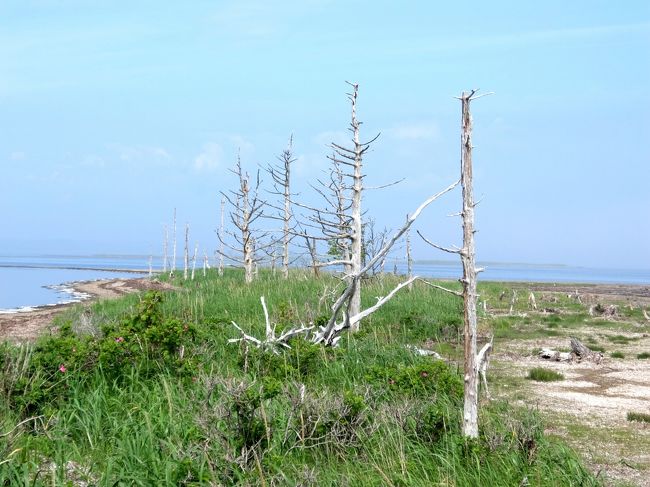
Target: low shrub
column 643, row 355
column 640, row 417
column 617, row 355
column 430, row 377
column 540, row 374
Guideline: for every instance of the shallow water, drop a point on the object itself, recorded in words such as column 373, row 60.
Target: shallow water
column 24, row 288
column 36, row 280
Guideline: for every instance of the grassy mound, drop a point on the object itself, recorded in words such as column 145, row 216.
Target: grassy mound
column 148, row 390
column 540, row 374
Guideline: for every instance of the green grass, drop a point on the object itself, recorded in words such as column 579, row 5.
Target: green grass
column 132, row 409
column 643, row 355
column 617, row 355
column 640, row 417
column 540, row 374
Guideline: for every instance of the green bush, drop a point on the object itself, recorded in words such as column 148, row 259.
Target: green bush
column 541, row 374
column 643, row 355
column 617, row 355
column 640, row 417
column 425, row 378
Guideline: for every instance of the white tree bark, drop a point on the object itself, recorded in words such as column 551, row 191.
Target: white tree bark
column 221, row 236
column 173, row 264
column 186, row 257
column 196, row 251
column 467, row 254
column 356, row 235
column 409, row 259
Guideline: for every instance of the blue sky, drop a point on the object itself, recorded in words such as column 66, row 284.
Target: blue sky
column 113, row 113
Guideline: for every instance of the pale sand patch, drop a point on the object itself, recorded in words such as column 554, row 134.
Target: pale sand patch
column 28, row 325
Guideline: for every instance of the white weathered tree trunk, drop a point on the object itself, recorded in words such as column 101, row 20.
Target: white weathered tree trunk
column 173, row 264
column 186, row 257
column 356, row 225
column 467, row 254
column 409, row 259
column 221, row 249
column 287, row 160
column 196, row 251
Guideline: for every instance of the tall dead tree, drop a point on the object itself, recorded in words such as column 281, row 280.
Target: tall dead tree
column 220, row 234
column 473, row 361
column 173, row 264
column 341, row 222
column 281, row 178
column 409, row 259
column 468, row 258
column 246, row 208
column 186, row 259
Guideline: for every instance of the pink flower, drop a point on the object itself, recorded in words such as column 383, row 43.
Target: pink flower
column 119, row 339
column 424, row 374
column 62, row 368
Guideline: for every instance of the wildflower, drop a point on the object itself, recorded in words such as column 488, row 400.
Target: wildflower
column 119, row 339
column 424, row 374
column 62, row 368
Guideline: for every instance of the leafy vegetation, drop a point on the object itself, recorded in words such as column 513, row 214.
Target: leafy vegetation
column 147, row 390
column 640, row 417
column 617, row 354
column 643, row 355
column 540, row 374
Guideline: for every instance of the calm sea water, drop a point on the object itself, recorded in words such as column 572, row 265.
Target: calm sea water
column 27, row 282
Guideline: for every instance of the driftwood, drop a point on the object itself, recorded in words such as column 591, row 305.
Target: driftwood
column 579, row 352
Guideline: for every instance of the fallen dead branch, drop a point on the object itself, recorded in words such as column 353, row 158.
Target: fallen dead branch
column 579, row 353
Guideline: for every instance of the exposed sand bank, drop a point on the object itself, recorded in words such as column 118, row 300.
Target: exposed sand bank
column 28, row 325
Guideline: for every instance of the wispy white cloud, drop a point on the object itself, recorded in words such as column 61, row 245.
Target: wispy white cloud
column 141, row 153
column 17, row 155
column 414, row 131
column 210, row 158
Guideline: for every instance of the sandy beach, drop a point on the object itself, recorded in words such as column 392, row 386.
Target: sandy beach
column 28, row 325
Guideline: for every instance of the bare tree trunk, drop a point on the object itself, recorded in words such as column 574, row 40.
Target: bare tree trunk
column 196, row 250
column 206, row 263
column 313, row 253
column 221, row 249
column 165, row 250
column 173, row 265
column 288, row 159
column 150, row 267
column 470, row 410
column 409, row 260
column 356, row 225
column 186, row 260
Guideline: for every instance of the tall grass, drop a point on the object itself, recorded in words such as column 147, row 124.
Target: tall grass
column 368, row 413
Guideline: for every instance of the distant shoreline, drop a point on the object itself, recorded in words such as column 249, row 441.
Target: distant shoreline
column 78, row 268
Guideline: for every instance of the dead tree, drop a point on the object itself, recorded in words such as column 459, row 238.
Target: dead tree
column 409, row 259
column 196, row 251
column 186, row 256
column 330, row 333
column 220, row 234
column 340, row 223
column 373, row 241
column 246, row 208
column 473, row 360
column 173, row 264
column 281, row 178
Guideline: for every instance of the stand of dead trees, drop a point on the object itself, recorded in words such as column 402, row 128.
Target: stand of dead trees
column 246, row 208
